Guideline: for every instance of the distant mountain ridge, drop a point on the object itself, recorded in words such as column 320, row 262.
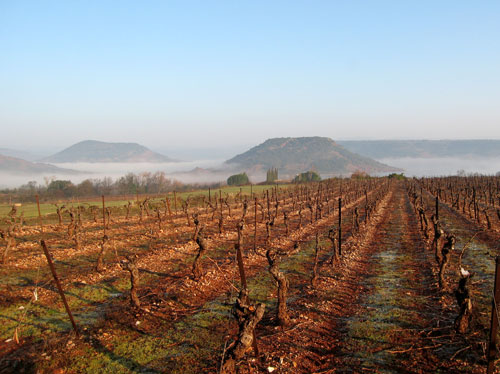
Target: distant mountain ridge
column 423, row 148
column 95, row 151
column 296, row 155
column 19, row 154
column 17, row 166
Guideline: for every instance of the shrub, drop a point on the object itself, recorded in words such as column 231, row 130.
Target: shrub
column 272, row 175
column 238, row 179
column 308, row 176
column 396, row 176
column 358, row 174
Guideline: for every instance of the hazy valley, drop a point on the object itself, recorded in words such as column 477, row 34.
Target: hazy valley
column 414, row 158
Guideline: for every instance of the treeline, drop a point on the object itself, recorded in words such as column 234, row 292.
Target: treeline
column 130, row 184
column 238, row 180
column 308, row 176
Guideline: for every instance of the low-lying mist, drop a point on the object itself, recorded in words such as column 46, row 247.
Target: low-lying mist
column 428, row 167
column 180, row 171
column 118, row 169
column 214, row 171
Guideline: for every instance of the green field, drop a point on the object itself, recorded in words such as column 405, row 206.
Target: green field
column 30, row 209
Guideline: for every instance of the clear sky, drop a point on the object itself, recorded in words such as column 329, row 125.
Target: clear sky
column 208, row 73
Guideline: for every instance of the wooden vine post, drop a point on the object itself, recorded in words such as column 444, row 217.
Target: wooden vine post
column 437, row 206
column 366, row 206
column 268, row 206
column 59, row 287
column 255, row 228
column 104, row 215
column 239, row 256
column 220, row 201
column 39, row 214
column 340, row 226
column 53, row 271
column 168, row 207
column 474, row 202
column 492, row 347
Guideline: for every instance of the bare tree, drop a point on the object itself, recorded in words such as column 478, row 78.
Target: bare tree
column 285, row 222
column 488, row 222
column 464, row 301
column 221, row 224
column 448, row 246
column 269, row 226
column 11, row 242
column 333, row 236
column 128, row 206
column 248, row 316
column 131, row 266
column 438, row 233
column 197, row 226
column 94, row 210
column 59, row 211
column 185, row 208
column 13, row 213
column 274, row 261
column 202, row 248
column 424, row 224
column 100, row 259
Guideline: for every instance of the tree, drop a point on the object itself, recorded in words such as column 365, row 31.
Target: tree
column 397, row 176
column 158, row 182
column 105, row 186
column 30, row 187
column 359, row 174
column 61, row 188
column 272, row 175
column 238, row 179
column 308, row 176
column 86, row 188
column 128, row 184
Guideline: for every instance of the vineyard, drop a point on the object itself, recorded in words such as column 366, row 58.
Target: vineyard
column 343, row 275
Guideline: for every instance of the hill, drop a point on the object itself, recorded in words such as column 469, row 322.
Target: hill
column 423, row 148
column 296, row 155
column 17, row 166
column 19, row 154
column 95, row 151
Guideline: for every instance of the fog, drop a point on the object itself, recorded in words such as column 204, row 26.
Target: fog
column 180, row 171
column 212, row 171
column 421, row 167
column 118, row 169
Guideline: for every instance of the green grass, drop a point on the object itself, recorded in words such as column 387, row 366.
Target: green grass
column 189, row 345
column 30, row 209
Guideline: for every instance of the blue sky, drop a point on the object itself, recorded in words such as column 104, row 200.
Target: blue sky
column 188, row 74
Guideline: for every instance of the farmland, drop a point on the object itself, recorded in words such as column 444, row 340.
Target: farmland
column 341, row 275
